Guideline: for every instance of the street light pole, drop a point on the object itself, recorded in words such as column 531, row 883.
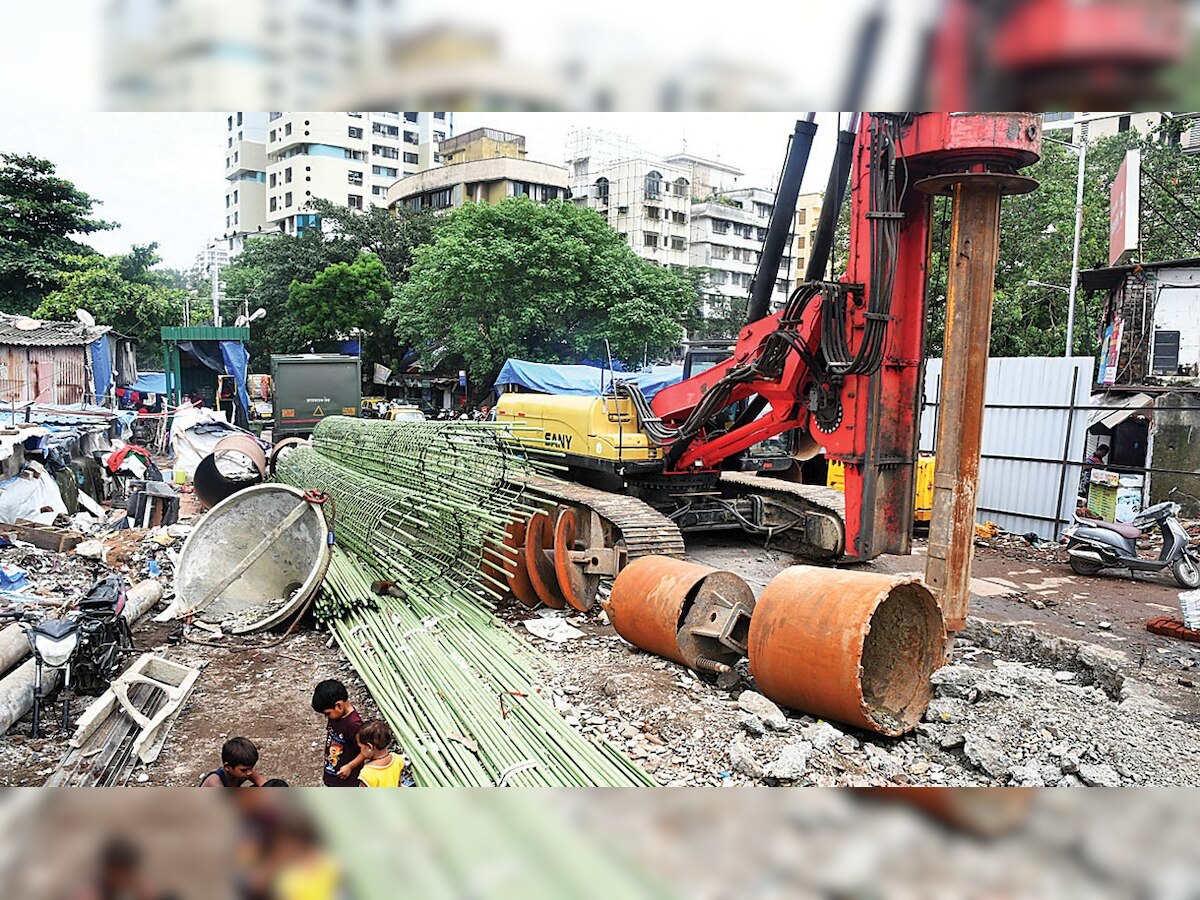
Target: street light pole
column 1075, row 252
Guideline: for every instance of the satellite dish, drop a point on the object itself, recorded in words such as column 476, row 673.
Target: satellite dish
column 85, row 317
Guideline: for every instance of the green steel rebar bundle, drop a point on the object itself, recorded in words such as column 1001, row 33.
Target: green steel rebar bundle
column 415, row 505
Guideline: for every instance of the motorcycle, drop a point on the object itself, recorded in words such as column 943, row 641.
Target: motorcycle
column 1093, row 545
column 88, row 645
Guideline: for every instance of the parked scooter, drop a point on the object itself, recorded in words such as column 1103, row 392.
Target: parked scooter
column 1093, row 545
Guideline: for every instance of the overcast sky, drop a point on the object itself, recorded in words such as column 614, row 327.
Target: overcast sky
column 161, row 175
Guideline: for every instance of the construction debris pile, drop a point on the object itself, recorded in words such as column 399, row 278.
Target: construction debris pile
column 413, row 506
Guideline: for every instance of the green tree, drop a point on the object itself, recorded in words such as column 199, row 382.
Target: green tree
column 713, row 316
column 344, row 299
column 137, row 308
column 392, row 237
column 546, row 282
column 39, row 213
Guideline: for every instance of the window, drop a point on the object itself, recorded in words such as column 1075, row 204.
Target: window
column 762, row 210
column 227, row 201
column 439, row 136
column 719, row 251
column 411, row 137
column 378, row 190
column 235, row 218
column 780, row 286
column 227, row 221
column 236, row 155
column 354, row 201
column 439, row 115
column 652, row 213
column 522, row 189
column 287, row 129
column 412, row 158
column 1166, row 353
column 356, row 115
column 354, row 132
column 410, row 117
column 1123, row 123
column 679, row 218
column 356, row 155
column 287, row 199
column 354, row 177
column 273, row 116
column 386, row 171
column 719, row 277
column 677, row 243
column 682, row 187
column 273, row 179
column 621, row 210
column 308, row 220
column 649, row 240
column 274, row 204
column 385, row 152
column 653, row 185
column 800, row 242
column 602, row 190
column 287, row 175
column 235, row 196
column 239, row 118
column 274, row 131
column 385, row 130
column 720, row 226
column 762, row 233
column 802, row 217
column 229, row 144
column 548, row 193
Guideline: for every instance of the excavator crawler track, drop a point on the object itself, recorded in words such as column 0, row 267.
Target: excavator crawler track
column 823, row 533
column 643, row 530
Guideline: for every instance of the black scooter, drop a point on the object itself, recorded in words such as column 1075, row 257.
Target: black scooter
column 1094, row 545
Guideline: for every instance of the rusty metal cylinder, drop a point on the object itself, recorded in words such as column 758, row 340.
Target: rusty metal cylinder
column 691, row 614
column 237, row 462
column 854, row 647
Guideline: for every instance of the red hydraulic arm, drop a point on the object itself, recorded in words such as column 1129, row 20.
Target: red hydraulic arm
column 842, row 361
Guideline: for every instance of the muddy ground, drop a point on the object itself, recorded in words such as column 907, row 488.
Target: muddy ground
column 1056, row 682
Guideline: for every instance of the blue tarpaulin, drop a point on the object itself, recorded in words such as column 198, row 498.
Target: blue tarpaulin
column 150, row 383
column 588, row 381
column 101, row 365
column 237, row 359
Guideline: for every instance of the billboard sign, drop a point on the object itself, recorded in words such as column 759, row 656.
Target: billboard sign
column 1124, row 210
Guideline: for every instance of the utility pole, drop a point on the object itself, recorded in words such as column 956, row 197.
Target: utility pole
column 1074, row 285
column 216, row 290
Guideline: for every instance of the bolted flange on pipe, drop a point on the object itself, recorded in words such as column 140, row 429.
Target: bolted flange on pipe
column 855, row 647
column 690, row 614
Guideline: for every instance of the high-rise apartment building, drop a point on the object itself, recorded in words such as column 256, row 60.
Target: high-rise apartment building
column 808, row 214
column 1076, row 126
column 646, row 200
column 727, row 234
column 277, row 162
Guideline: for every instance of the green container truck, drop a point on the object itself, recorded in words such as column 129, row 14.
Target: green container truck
column 310, row 386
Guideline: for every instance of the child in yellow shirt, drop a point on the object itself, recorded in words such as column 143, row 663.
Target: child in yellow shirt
column 382, row 767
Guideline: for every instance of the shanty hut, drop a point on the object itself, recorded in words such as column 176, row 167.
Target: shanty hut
column 59, row 363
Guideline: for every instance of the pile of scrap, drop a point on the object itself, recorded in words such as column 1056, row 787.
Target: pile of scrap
column 414, row 506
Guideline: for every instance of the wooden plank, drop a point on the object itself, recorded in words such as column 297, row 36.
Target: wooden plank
column 47, row 537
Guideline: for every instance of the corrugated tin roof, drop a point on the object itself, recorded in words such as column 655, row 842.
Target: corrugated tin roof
column 22, row 331
column 1102, row 279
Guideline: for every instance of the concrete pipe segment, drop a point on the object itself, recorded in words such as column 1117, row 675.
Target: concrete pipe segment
column 850, row 646
column 690, row 614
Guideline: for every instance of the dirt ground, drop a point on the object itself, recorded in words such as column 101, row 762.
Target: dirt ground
column 687, row 730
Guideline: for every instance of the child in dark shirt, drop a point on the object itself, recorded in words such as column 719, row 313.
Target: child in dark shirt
column 343, row 759
column 239, row 757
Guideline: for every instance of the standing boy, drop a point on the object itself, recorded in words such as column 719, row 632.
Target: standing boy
column 343, row 758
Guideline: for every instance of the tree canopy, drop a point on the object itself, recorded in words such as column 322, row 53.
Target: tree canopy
column 342, row 299
column 39, row 213
column 120, row 291
column 263, row 273
column 546, row 282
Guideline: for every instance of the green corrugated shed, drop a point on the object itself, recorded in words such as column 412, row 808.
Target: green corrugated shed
column 183, row 380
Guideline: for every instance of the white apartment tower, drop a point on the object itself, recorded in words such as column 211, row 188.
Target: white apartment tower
column 727, row 234
column 347, row 158
column 646, row 200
